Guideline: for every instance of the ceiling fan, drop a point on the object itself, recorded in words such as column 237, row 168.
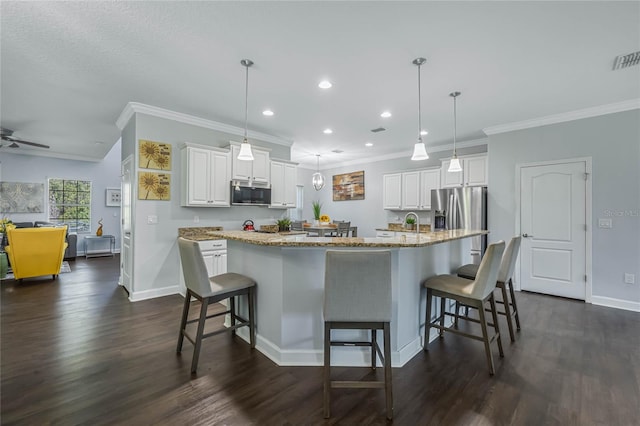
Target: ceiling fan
column 7, row 135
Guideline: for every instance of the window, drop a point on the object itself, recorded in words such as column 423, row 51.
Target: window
column 296, row 214
column 70, row 204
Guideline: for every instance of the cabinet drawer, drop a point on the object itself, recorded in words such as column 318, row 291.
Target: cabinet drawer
column 212, row 245
column 385, row 234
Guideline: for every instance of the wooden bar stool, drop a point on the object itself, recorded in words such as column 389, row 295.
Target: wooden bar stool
column 471, row 293
column 357, row 296
column 211, row 290
column 504, row 283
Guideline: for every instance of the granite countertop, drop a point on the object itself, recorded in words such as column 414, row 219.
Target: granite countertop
column 296, row 240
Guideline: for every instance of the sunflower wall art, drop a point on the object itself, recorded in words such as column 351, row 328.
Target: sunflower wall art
column 154, row 155
column 154, row 186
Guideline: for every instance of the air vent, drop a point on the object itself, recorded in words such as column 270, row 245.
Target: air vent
column 337, row 151
column 379, row 129
column 624, row 61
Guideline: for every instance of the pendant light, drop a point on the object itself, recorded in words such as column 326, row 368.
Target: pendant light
column 245, row 147
column 317, row 179
column 454, row 165
column 419, row 150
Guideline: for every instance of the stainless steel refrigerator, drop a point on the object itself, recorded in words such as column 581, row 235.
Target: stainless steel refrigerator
column 461, row 208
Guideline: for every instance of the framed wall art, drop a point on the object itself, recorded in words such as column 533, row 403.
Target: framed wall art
column 154, row 155
column 112, row 197
column 154, row 186
column 21, row 197
column 348, row 186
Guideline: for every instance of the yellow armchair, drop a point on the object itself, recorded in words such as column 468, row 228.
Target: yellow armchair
column 36, row 251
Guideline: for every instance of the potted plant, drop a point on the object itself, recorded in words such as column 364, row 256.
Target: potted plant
column 410, row 223
column 317, row 207
column 283, row 224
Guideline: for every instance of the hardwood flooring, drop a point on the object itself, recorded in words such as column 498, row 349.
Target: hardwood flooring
column 76, row 351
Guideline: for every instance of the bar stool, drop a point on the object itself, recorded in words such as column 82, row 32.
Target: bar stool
column 471, row 293
column 505, row 275
column 211, row 290
column 357, row 296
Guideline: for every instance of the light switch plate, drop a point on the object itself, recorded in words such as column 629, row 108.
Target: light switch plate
column 152, row 219
column 605, row 223
column 629, row 278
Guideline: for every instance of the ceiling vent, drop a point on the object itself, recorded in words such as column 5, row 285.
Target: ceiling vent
column 379, row 129
column 337, row 151
column 624, row 61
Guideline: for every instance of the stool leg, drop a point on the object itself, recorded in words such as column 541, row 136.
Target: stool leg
column 196, row 349
column 183, row 321
column 485, row 338
column 327, row 370
column 442, row 308
column 427, row 323
column 388, row 390
column 232, row 309
column 507, row 311
column 252, row 316
column 496, row 326
column 515, row 306
column 457, row 314
column 374, row 345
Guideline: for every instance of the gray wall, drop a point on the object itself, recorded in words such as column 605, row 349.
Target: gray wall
column 104, row 174
column 613, row 143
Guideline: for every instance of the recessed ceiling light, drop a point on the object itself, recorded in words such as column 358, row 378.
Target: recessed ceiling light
column 424, row 132
column 368, row 144
column 327, row 131
column 325, row 84
column 267, row 112
column 385, row 114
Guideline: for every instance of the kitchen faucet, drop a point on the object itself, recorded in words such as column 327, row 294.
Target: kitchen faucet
column 417, row 221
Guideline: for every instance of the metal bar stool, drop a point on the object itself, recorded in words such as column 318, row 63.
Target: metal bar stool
column 357, row 296
column 211, row 290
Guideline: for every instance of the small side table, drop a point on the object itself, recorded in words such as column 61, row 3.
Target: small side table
column 92, row 240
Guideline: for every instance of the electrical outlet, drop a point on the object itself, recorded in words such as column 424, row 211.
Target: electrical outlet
column 629, row 278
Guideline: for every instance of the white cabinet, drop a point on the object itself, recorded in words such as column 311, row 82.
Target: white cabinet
column 391, row 191
column 410, row 190
column 385, row 234
column 206, row 174
column 283, row 184
column 429, row 179
column 214, row 254
column 256, row 171
column 474, row 172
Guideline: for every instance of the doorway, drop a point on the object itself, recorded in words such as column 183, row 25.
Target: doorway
column 554, row 210
column 126, row 255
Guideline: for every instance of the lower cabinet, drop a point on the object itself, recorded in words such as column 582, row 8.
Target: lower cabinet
column 214, row 253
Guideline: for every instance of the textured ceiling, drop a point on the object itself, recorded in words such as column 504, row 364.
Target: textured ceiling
column 69, row 68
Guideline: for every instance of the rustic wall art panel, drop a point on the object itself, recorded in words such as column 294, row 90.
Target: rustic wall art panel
column 348, row 186
column 154, row 186
column 154, row 155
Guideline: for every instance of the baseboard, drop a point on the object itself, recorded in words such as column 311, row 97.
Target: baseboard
column 615, row 303
column 137, row 296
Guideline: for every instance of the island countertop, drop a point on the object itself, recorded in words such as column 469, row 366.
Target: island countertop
column 422, row 239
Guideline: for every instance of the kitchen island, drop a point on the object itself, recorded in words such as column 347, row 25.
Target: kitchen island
column 289, row 271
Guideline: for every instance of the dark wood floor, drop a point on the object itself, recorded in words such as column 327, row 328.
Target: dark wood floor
column 76, row 351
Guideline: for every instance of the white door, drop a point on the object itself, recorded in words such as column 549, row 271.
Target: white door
column 553, row 227
column 126, row 214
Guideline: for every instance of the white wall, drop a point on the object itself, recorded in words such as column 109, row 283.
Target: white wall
column 613, row 143
column 103, row 174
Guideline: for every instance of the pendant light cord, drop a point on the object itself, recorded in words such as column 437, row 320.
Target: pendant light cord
column 419, row 108
column 246, row 102
column 454, row 125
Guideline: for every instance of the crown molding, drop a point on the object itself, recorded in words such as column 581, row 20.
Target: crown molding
column 564, row 117
column 135, row 107
column 395, row 155
column 57, row 155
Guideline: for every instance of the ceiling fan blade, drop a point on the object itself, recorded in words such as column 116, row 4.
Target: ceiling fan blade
column 16, row 140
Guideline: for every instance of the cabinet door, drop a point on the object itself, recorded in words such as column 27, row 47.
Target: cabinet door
column 198, row 165
column 220, row 193
column 277, row 184
column 391, row 191
column 241, row 170
column 410, row 190
column 221, row 262
column 429, row 179
column 450, row 179
column 475, row 171
column 210, row 262
column 261, row 169
column 290, row 182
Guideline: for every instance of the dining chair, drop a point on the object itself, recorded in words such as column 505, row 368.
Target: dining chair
column 357, row 296
column 504, row 283
column 211, row 290
column 297, row 225
column 343, row 229
column 473, row 293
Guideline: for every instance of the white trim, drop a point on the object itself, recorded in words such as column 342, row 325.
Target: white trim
column 616, row 303
column 135, row 107
column 588, row 217
column 137, row 296
column 62, row 156
column 564, row 117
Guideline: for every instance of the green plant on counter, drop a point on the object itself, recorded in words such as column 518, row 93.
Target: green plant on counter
column 283, row 222
column 317, row 207
column 410, row 220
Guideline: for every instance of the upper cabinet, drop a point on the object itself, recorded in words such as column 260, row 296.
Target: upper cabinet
column 205, row 175
column 391, row 191
column 474, row 172
column 284, row 177
column 256, row 171
column 429, row 179
column 410, row 190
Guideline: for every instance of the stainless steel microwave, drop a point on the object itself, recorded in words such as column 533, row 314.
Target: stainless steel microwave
column 244, row 195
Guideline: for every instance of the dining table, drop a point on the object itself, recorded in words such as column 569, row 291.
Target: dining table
column 323, row 229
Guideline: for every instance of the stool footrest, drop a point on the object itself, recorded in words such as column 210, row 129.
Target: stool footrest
column 356, row 384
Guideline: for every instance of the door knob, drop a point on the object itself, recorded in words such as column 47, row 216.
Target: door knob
column 525, row 235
